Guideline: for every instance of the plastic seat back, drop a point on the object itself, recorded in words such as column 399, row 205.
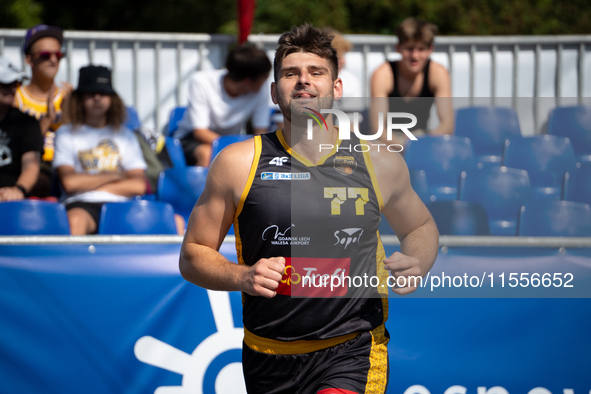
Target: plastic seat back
column 577, row 185
column 418, row 181
column 546, row 158
column 137, row 217
column 33, row 217
column 501, row 191
column 487, row 128
column 554, row 218
column 181, row 187
column 459, row 218
column 443, row 158
column 574, row 123
column 175, row 152
column 225, row 140
column 132, row 121
column 176, row 115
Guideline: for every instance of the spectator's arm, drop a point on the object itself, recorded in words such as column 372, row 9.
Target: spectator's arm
column 77, row 183
column 382, row 81
column 27, row 178
column 205, row 136
column 440, row 85
column 133, row 184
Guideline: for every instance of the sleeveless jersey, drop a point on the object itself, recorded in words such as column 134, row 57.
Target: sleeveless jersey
column 420, row 108
column 323, row 219
column 38, row 109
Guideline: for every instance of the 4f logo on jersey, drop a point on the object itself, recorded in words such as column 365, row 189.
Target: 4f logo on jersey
column 278, row 161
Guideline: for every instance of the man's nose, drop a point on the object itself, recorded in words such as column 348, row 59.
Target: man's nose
column 304, row 79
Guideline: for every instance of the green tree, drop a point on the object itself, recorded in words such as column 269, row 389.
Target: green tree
column 20, row 13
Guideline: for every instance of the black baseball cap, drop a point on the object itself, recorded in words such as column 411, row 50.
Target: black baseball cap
column 95, row 79
column 40, row 31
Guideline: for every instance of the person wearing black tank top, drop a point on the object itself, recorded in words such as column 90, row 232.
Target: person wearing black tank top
column 415, row 75
column 307, row 345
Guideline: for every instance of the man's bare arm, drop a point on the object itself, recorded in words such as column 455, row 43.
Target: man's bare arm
column 200, row 262
column 409, row 218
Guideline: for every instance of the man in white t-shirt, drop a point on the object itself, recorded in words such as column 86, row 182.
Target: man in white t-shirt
column 222, row 101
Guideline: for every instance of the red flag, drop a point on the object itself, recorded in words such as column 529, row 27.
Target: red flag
column 245, row 18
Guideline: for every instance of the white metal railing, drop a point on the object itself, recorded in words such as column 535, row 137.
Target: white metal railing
column 151, row 69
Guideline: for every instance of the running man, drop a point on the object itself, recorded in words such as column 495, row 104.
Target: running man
column 307, row 345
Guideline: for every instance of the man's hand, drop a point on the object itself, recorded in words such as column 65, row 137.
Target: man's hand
column 263, row 278
column 11, row 194
column 401, row 265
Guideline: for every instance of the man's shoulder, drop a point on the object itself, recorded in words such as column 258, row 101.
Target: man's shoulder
column 207, row 76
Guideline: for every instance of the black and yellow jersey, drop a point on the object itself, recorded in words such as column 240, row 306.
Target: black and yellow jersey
column 323, row 218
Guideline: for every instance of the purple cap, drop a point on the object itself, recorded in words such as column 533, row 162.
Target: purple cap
column 40, row 31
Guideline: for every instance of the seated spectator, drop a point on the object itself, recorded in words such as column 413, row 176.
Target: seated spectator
column 222, row 101
column 21, row 144
column 97, row 159
column 42, row 98
column 415, row 75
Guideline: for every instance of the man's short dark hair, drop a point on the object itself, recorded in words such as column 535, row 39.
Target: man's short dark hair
column 413, row 29
column 306, row 38
column 247, row 62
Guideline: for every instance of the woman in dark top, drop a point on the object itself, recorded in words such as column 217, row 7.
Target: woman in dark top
column 414, row 76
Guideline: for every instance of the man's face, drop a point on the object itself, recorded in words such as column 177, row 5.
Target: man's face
column 305, row 80
column 44, row 57
column 7, row 92
column 414, row 55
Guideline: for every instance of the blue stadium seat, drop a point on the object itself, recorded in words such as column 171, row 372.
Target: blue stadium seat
column 546, row 158
column 553, row 218
column 132, row 121
column 33, row 217
column 418, row 181
column 443, row 158
column 385, row 228
column 181, row 187
column 137, row 217
column 175, row 152
column 577, row 185
column 459, row 218
column 487, row 128
column 175, row 117
column 225, row 140
column 574, row 123
column 501, row 191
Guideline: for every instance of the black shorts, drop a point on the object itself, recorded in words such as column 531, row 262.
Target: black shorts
column 93, row 208
column 189, row 143
column 357, row 366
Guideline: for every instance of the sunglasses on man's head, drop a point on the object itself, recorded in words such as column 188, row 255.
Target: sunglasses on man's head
column 46, row 55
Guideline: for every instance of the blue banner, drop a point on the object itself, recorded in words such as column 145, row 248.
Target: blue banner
column 121, row 319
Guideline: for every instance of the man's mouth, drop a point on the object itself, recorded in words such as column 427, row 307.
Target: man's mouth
column 303, row 96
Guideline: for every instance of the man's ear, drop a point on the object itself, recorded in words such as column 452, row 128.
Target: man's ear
column 274, row 92
column 338, row 89
column 29, row 60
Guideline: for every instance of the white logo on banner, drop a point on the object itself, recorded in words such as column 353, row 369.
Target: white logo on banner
column 193, row 366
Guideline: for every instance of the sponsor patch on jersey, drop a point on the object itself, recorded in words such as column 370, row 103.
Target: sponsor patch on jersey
column 344, row 165
column 285, row 176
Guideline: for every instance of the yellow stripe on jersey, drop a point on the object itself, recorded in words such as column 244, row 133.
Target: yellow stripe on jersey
column 272, row 346
column 301, row 158
column 253, row 170
column 377, row 376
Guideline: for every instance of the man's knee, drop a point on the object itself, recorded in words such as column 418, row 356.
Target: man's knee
column 81, row 223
